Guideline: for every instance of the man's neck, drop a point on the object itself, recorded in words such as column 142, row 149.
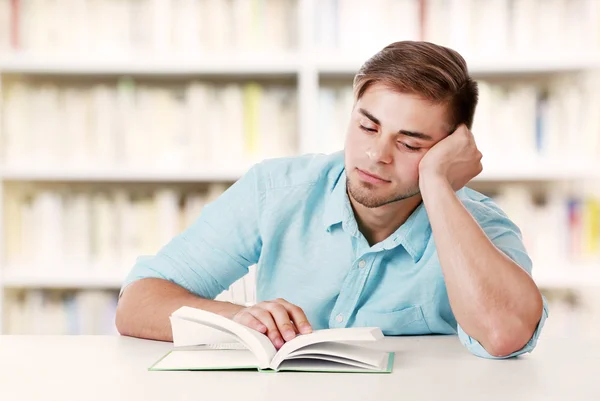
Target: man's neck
column 376, row 224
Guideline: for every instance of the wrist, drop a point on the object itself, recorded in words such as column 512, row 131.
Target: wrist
column 229, row 310
column 431, row 177
column 433, row 183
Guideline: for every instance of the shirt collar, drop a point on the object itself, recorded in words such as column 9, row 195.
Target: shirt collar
column 413, row 235
column 337, row 206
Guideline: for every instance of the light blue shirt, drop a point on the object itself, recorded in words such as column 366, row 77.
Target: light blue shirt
column 293, row 219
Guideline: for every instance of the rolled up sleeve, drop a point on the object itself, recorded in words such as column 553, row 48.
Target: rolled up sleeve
column 216, row 250
column 507, row 237
column 477, row 349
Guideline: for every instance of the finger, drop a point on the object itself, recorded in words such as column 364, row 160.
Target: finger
column 283, row 320
column 459, row 128
column 298, row 316
column 248, row 320
column 266, row 318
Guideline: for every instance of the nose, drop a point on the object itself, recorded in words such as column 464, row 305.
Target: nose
column 380, row 151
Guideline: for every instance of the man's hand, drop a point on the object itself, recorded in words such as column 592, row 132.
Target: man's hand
column 280, row 320
column 454, row 158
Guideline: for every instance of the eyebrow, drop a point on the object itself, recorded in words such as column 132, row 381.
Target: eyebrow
column 412, row 134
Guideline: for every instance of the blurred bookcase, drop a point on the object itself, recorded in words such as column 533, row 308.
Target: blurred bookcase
column 120, row 119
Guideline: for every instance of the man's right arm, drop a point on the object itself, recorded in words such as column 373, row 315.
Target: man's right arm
column 145, row 306
column 200, row 263
column 196, row 265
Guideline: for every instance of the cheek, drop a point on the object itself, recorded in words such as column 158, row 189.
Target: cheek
column 407, row 166
column 355, row 142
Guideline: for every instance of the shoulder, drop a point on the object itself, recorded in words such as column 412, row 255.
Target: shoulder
column 482, row 207
column 490, row 216
column 305, row 170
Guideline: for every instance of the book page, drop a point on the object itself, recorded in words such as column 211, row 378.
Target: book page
column 257, row 342
column 350, row 352
column 307, row 365
column 189, row 333
column 327, row 335
column 321, row 357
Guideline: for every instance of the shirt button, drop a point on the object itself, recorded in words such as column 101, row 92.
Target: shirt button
column 339, row 318
column 362, row 264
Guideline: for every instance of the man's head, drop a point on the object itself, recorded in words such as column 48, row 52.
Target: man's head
column 408, row 97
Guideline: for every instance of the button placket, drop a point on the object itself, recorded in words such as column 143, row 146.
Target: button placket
column 350, row 293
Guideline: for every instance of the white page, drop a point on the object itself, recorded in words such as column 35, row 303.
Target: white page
column 260, row 344
column 346, row 351
column 207, row 359
column 187, row 333
column 350, row 362
column 327, row 335
column 323, row 366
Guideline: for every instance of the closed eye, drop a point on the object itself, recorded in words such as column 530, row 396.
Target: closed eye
column 367, row 129
column 411, row 148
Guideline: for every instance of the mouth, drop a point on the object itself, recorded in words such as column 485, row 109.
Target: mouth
column 372, row 178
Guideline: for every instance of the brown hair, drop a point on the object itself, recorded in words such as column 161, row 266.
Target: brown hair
column 436, row 73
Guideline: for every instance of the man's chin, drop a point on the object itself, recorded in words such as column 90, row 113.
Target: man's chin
column 366, row 196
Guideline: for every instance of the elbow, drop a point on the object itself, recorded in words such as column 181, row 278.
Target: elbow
column 508, row 337
column 504, row 344
column 506, row 340
column 123, row 318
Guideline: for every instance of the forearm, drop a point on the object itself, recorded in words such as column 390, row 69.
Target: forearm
column 494, row 300
column 145, row 306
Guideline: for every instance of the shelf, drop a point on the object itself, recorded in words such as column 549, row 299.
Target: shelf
column 120, row 175
column 542, row 171
column 285, row 64
column 269, row 65
column 507, row 65
column 71, row 279
column 538, row 171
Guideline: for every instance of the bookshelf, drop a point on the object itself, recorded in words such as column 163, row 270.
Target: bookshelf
column 69, row 278
column 482, row 68
column 545, row 170
column 298, row 69
column 266, row 65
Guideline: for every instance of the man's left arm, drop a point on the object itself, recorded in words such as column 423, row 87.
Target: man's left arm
column 494, row 299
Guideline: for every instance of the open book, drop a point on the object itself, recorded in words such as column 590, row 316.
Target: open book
column 207, row 341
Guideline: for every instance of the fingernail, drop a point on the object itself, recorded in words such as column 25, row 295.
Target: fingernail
column 305, row 329
column 289, row 335
column 278, row 342
column 261, row 328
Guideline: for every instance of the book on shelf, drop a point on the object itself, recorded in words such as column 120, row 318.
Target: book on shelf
column 96, row 229
column 147, row 27
column 207, row 341
column 196, row 126
column 381, row 22
column 60, row 312
column 560, row 230
column 575, row 313
column 521, row 28
column 524, row 28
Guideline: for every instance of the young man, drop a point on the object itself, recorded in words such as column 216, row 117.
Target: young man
column 382, row 234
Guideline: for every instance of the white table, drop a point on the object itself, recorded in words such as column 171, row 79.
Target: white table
column 426, row 368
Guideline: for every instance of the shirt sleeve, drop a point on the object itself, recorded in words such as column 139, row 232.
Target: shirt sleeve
column 216, row 250
column 507, row 237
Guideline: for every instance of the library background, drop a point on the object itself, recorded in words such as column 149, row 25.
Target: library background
column 108, row 148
